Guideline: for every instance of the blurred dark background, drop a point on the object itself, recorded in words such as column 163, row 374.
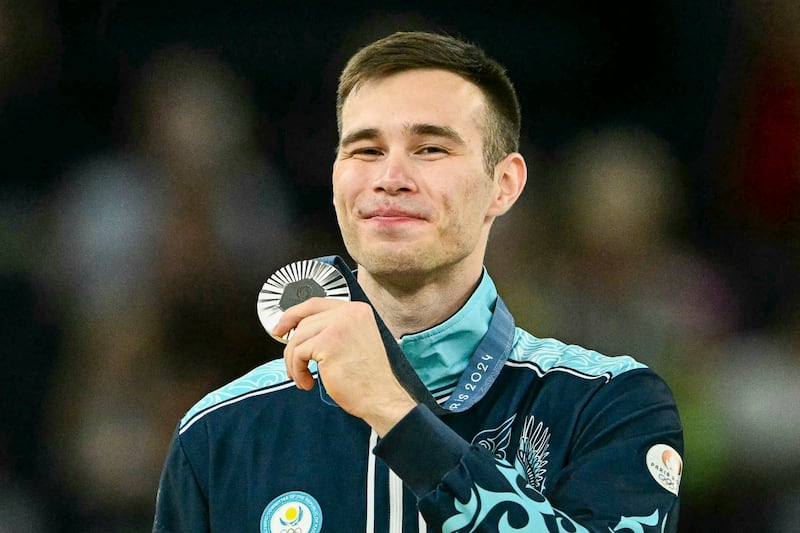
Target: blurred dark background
column 159, row 161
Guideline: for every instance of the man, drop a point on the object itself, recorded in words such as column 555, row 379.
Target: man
column 493, row 429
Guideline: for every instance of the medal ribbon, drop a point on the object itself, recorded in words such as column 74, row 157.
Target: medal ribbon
column 483, row 368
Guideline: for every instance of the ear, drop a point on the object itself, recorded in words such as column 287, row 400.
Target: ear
column 510, row 175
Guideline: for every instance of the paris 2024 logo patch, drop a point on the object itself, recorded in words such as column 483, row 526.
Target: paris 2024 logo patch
column 666, row 466
column 292, row 512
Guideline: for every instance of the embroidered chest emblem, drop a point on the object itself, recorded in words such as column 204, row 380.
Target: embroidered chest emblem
column 496, row 440
column 534, row 444
column 532, row 452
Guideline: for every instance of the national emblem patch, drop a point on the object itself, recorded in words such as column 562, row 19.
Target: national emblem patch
column 292, row 512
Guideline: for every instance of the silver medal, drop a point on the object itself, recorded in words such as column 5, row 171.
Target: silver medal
column 295, row 283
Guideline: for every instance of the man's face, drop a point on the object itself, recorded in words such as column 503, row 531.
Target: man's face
column 409, row 185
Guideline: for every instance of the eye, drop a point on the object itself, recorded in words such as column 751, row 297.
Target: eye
column 431, row 151
column 368, row 153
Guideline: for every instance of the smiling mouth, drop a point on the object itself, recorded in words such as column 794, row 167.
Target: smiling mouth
column 390, row 213
column 392, row 220
column 393, row 217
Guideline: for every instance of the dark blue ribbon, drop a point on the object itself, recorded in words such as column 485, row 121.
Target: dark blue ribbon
column 483, row 368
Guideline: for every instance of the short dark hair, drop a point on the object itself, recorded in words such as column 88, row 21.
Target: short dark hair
column 404, row 51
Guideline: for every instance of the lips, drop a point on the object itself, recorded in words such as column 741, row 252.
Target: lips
column 392, row 212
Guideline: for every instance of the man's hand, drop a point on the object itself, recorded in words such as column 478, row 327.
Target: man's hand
column 343, row 338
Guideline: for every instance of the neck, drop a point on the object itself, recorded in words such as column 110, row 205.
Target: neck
column 421, row 303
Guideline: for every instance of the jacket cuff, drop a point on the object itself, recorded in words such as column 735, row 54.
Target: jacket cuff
column 421, row 449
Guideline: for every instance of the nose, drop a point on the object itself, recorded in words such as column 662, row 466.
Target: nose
column 397, row 176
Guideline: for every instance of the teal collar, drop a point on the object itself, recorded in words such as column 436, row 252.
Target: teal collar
column 440, row 354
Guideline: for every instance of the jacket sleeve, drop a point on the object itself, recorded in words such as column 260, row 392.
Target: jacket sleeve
column 606, row 485
column 181, row 505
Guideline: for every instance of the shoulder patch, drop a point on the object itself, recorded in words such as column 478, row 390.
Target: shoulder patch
column 666, row 466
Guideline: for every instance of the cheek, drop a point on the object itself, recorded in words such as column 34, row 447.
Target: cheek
column 472, row 203
column 348, row 178
column 340, row 209
column 341, row 192
column 466, row 213
column 343, row 213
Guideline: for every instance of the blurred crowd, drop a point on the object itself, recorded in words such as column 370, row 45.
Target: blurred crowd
column 151, row 183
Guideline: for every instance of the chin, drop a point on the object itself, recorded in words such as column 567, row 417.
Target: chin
column 394, row 262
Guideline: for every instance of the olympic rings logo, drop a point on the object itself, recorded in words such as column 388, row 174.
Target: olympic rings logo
column 667, row 480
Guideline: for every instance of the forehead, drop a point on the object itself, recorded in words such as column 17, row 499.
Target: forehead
column 420, row 95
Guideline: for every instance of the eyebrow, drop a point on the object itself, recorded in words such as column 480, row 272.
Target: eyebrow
column 434, row 130
column 359, row 135
column 414, row 129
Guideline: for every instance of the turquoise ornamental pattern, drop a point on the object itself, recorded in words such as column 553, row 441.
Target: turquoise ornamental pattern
column 263, row 379
column 550, row 355
column 530, row 502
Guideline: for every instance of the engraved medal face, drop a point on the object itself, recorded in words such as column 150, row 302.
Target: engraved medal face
column 296, row 283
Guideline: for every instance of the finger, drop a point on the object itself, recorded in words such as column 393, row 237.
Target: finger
column 300, row 349
column 297, row 359
column 297, row 325
column 291, row 317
